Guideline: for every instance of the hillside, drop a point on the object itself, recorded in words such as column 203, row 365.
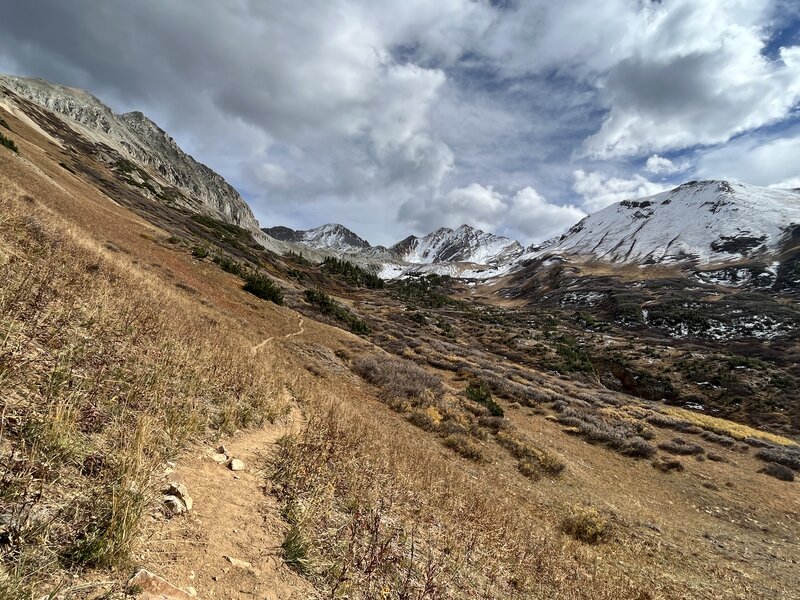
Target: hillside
column 133, row 145
column 423, row 438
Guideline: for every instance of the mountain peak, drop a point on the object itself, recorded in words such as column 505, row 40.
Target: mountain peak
column 331, row 236
column 138, row 139
column 698, row 221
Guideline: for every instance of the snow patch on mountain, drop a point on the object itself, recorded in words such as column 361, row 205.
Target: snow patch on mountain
column 465, row 244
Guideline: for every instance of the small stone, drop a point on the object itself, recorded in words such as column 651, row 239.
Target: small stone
column 222, row 449
column 219, row 458
column 236, row 464
column 152, row 587
column 174, row 504
column 179, row 490
column 242, row 564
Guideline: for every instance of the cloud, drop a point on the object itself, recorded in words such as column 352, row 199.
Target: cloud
column 660, row 165
column 537, row 219
column 694, row 73
column 760, row 161
column 524, row 214
column 600, row 190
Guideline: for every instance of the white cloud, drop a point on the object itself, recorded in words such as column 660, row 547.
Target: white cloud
column 271, row 174
column 537, row 219
column 524, row 214
column 660, row 165
column 346, row 109
column 693, row 73
column 767, row 162
column 600, row 190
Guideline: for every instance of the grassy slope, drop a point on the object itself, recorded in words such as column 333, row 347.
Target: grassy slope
column 407, row 512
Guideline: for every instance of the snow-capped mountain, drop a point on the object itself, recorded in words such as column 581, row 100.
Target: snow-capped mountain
column 465, row 251
column 465, row 244
column 698, row 222
column 326, row 237
column 137, row 139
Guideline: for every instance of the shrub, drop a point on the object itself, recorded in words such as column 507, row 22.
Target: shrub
column 722, row 440
column 533, row 461
column 464, row 446
column 667, row 465
column 716, row 457
column 680, row 446
column 199, row 251
column 230, row 266
column 8, row 143
column 398, row 379
column 263, row 287
column 788, row 457
column 623, row 436
column 329, row 307
column 478, row 391
column 638, row 448
column 587, row 525
column 778, row 471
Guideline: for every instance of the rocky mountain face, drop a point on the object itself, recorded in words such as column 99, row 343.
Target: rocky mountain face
column 464, row 244
column 700, row 223
column 159, row 165
column 465, row 251
column 326, row 237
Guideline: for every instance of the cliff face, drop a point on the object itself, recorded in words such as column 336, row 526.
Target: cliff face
column 144, row 143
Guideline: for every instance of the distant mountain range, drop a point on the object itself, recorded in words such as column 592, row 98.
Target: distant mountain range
column 698, row 224
column 706, row 225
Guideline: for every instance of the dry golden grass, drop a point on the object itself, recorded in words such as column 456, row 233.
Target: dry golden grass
column 378, row 517
column 105, row 373
column 738, row 431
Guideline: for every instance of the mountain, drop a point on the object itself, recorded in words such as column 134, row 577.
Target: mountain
column 169, row 173
column 465, row 244
column 326, row 237
column 700, row 222
column 464, row 252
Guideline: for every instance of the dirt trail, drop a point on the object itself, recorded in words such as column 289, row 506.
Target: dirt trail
column 266, row 341
column 232, row 518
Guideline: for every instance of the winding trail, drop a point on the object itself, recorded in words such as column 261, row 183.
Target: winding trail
column 228, row 546
column 266, row 341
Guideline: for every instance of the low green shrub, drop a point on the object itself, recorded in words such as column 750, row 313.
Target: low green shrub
column 8, row 143
column 262, row 287
column 479, row 392
column 329, row 307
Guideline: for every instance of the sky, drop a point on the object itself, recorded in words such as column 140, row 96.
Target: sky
column 400, row 116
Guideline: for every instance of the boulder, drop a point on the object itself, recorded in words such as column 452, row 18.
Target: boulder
column 179, row 490
column 174, row 504
column 236, row 464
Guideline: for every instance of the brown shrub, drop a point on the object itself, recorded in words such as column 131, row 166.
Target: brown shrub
column 778, row 471
column 586, row 524
column 682, row 447
column 463, row 445
column 398, row 379
column 667, row 465
column 788, row 457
